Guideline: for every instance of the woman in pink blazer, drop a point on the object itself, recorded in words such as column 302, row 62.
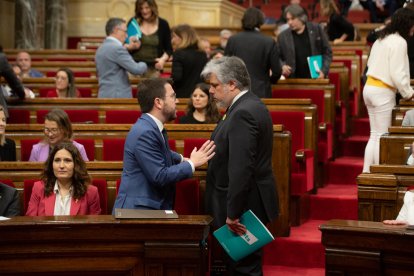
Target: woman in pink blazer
column 65, row 188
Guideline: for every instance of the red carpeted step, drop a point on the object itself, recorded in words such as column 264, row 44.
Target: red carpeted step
column 353, row 146
column 360, row 126
column 277, row 270
column 302, row 249
column 334, row 202
column 344, row 170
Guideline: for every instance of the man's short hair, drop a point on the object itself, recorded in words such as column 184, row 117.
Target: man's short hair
column 228, row 69
column 252, row 18
column 297, row 12
column 148, row 91
column 112, row 23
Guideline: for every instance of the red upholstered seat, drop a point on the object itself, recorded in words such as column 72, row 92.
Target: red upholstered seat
column 191, row 143
column 113, row 149
column 8, row 182
column 342, row 114
column 85, row 92
column 18, row 116
column 303, row 170
column 122, row 116
column 187, row 197
column 27, row 192
column 102, row 186
column 172, row 144
column 66, row 58
column 118, row 183
column 180, row 113
column 89, row 145
column 26, row 146
column 325, row 136
column 134, row 91
column 75, row 116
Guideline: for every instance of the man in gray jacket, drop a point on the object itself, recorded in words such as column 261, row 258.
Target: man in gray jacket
column 113, row 62
column 301, row 40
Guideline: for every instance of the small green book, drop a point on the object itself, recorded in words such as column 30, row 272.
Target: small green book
column 240, row 246
column 315, row 65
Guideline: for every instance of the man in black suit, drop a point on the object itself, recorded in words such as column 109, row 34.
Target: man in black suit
column 259, row 52
column 240, row 175
column 9, row 201
column 16, row 86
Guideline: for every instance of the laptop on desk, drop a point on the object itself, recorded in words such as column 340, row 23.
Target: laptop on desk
column 145, row 214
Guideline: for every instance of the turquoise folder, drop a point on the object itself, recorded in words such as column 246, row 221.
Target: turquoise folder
column 238, row 247
column 315, row 65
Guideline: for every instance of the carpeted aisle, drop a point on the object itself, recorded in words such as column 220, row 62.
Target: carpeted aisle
column 302, row 253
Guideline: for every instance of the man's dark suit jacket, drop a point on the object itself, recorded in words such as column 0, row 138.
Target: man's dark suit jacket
column 319, row 46
column 9, row 201
column 240, row 175
column 186, row 68
column 260, row 54
column 16, row 86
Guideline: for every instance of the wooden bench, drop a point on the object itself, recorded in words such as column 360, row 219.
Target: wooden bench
column 381, row 192
column 399, row 110
column 367, row 248
column 99, row 245
column 395, row 145
column 111, row 171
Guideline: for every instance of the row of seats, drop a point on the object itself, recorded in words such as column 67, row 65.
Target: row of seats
column 112, row 148
column 187, row 196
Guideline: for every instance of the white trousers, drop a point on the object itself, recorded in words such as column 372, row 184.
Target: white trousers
column 380, row 102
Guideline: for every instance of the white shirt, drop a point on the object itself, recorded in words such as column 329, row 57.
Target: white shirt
column 160, row 126
column 238, row 97
column 407, row 210
column 388, row 62
column 62, row 204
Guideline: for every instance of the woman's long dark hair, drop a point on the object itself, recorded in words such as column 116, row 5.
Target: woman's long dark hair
column 212, row 113
column 80, row 177
column 71, row 90
column 401, row 22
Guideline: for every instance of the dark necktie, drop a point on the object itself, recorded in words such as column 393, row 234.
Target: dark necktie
column 165, row 135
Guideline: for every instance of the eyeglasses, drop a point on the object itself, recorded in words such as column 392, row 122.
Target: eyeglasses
column 173, row 96
column 125, row 31
column 51, row 130
column 61, row 78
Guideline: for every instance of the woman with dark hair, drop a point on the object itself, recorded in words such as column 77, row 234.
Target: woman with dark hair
column 388, row 72
column 339, row 29
column 65, row 186
column 188, row 60
column 65, row 85
column 7, row 146
column 57, row 128
column 155, row 35
column 201, row 108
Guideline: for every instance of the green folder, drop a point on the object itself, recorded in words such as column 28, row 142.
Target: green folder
column 315, row 65
column 238, row 247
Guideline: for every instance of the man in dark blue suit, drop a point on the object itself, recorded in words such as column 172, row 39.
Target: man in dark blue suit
column 240, row 175
column 151, row 169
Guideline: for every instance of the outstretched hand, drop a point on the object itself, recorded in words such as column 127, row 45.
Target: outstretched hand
column 205, row 153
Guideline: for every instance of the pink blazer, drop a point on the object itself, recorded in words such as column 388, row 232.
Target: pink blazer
column 39, row 205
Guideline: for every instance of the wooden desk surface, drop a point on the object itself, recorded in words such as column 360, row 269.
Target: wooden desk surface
column 367, row 248
column 96, row 245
